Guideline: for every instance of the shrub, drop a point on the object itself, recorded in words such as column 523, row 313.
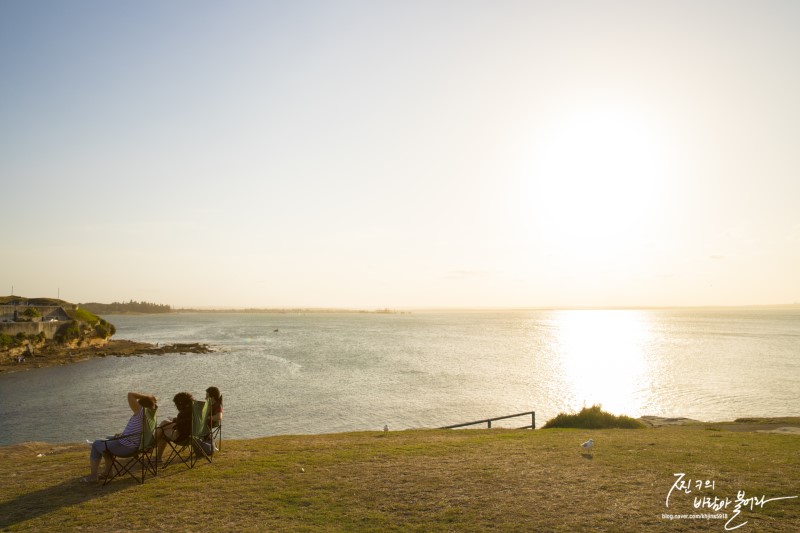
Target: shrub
column 106, row 327
column 68, row 332
column 31, row 312
column 101, row 330
column 6, row 340
column 593, row 418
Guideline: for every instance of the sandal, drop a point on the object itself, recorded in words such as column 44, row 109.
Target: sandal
column 88, row 479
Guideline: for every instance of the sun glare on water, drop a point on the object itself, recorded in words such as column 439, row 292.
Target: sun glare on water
column 603, row 359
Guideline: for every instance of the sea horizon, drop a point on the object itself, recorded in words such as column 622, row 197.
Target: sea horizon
column 455, row 309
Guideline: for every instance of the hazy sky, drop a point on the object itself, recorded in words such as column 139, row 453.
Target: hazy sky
column 401, row 153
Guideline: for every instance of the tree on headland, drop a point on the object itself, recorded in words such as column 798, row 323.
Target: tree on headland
column 128, row 307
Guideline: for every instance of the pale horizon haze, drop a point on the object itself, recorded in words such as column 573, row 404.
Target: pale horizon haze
column 358, row 154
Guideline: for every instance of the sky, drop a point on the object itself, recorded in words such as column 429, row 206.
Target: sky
column 401, row 154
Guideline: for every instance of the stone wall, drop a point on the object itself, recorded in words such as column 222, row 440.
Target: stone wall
column 53, row 317
column 30, row 328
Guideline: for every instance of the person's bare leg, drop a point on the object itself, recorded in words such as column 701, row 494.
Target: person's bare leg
column 93, row 467
column 162, row 443
column 94, row 460
column 107, row 469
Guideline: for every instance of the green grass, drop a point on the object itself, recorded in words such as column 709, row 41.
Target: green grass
column 593, row 418
column 422, row 480
column 83, row 315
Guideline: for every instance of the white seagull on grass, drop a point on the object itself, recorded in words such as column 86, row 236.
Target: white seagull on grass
column 588, row 445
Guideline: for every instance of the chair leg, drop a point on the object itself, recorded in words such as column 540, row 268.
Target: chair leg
column 129, row 466
column 177, row 452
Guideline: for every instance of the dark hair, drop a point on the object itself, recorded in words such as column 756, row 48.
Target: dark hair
column 183, row 400
column 214, row 393
column 149, row 401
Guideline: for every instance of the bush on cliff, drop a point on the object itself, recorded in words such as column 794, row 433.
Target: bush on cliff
column 68, row 332
column 102, row 330
column 593, row 418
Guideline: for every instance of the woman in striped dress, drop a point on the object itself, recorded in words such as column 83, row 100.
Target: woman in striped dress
column 123, row 443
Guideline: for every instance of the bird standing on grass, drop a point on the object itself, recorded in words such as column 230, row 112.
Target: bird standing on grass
column 587, row 446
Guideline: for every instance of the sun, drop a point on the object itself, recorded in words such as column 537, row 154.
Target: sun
column 597, row 181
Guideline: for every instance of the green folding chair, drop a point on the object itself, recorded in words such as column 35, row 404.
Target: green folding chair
column 199, row 444
column 141, row 461
column 216, row 429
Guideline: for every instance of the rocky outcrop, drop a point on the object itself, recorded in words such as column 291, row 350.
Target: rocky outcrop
column 54, row 355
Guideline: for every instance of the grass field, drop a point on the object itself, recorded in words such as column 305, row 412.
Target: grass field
column 422, row 480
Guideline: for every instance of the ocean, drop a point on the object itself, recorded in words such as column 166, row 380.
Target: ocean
column 299, row 373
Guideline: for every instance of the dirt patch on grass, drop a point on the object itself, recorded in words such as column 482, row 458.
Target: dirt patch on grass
column 761, row 427
column 26, row 450
column 782, row 430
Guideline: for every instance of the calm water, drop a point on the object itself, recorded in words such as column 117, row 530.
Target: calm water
column 323, row 373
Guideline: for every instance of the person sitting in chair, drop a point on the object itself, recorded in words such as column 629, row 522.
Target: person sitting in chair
column 176, row 429
column 214, row 421
column 125, row 443
column 213, row 394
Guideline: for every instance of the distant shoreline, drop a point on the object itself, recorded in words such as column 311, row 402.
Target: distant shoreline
column 297, row 311
column 412, row 310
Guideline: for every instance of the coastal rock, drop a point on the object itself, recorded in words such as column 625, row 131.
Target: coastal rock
column 53, row 355
column 659, row 421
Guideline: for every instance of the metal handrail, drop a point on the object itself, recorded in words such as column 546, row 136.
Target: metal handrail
column 489, row 421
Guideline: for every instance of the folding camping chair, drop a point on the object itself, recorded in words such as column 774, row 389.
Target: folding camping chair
column 139, row 461
column 199, row 443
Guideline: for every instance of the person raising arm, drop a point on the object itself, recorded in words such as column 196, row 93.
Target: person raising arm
column 124, row 443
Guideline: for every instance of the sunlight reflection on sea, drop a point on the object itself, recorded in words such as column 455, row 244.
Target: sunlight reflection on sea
column 316, row 373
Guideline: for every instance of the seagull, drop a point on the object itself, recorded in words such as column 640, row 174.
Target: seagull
column 588, row 445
